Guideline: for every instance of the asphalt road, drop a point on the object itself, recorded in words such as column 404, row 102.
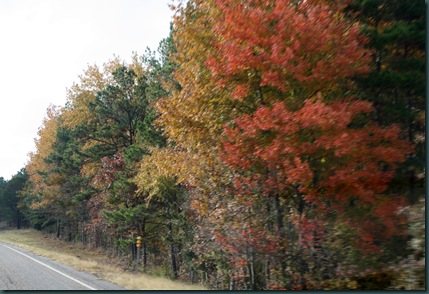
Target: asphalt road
column 22, row 270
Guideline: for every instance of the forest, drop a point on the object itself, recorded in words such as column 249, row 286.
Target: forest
column 265, row 145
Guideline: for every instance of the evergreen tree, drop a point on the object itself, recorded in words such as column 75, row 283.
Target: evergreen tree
column 10, row 211
column 396, row 84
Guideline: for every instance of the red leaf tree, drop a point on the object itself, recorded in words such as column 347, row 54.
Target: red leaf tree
column 299, row 49
column 314, row 154
column 317, row 153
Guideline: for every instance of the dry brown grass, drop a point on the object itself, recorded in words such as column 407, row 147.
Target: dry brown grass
column 88, row 260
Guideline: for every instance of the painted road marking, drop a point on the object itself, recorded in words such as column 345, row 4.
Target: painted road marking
column 51, row 268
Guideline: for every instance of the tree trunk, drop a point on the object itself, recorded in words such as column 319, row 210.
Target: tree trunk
column 251, row 268
column 172, row 253
column 58, row 228
column 133, row 251
column 282, row 233
column 69, row 232
column 18, row 220
column 144, row 245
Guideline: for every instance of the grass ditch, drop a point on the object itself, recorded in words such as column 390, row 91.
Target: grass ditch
column 88, row 260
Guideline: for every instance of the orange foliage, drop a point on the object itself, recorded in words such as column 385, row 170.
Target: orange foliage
column 37, row 164
column 315, row 151
column 303, row 47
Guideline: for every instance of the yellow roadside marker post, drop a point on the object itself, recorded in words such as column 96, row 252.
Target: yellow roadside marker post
column 139, row 245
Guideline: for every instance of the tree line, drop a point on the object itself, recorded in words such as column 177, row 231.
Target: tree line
column 264, row 145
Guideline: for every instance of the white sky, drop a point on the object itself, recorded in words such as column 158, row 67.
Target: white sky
column 46, row 44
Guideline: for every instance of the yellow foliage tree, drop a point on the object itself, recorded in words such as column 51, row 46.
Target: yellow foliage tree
column 193, row 116
column 37, row 166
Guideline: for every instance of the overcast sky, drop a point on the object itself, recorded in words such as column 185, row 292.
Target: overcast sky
column 46, row 44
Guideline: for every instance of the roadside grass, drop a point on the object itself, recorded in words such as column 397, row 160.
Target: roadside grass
column 88, row 260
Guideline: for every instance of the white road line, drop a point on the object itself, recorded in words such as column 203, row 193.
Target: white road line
column 67, row 276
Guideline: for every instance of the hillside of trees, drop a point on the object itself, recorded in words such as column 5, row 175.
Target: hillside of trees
column 266, row 144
